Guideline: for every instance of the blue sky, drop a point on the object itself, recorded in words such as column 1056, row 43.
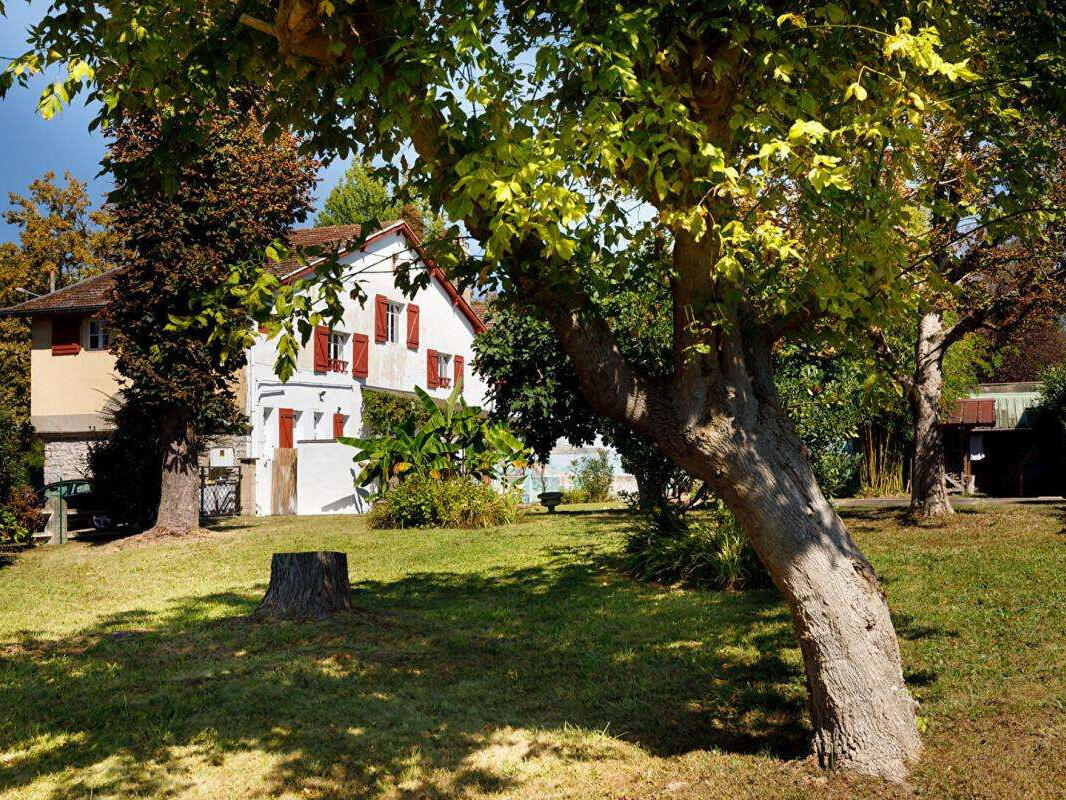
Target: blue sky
column 30, row 145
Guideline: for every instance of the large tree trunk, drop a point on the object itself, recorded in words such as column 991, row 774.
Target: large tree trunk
column 929, row 494
column 733, row 434
column 179, row 497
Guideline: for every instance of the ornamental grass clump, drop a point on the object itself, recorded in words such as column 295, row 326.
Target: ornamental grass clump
column 705, row 551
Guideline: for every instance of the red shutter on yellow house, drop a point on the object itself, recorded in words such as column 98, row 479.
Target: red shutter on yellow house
column 360, row 355
column 412, row 326
column 338, row 426
column 459, row 363
column 432, row 374
column 381, row 309
column 321, row 349
column 66, row 336
column 285, row 420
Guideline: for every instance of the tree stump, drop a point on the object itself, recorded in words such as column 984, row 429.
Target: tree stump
column 306, row 586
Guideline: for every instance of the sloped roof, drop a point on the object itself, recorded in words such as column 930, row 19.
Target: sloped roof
column 999, row 406
column 90, row 294
column 323, row 236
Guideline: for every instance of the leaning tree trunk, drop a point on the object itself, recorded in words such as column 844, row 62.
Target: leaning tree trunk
column 179, row 496
column 861, row 711
column 306, row 586
column 929, row 494
column 722, row 422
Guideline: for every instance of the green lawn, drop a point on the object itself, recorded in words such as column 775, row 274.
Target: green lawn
column 508, row 663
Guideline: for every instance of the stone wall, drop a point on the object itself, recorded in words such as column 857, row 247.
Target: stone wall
column 65, row 459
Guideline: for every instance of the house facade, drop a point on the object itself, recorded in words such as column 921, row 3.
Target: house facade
column 391, row 343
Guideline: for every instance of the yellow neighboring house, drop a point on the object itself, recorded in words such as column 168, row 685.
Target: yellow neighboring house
column 72, row 372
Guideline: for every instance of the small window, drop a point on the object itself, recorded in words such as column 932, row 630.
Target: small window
column 444, row 378
column 99, row 337
column 392, row 321
column 338, row 343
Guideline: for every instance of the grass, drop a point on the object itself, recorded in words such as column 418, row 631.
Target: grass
column 514, row 663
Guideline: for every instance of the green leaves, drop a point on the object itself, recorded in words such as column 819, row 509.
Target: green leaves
column 454, row 439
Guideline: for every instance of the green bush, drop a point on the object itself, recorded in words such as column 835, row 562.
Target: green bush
column 572, row 496
column 593, row 477
column 384, row 412
column 707, row 551
column 457, row 502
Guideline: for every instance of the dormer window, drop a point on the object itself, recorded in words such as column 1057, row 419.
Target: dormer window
column 99, row 334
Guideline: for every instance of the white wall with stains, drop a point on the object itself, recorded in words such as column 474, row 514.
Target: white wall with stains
column 315, row 397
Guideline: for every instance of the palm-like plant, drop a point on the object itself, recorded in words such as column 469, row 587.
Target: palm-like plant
column 455, row 441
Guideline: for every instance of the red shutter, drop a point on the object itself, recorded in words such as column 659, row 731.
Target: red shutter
column 66, row 336
column 432, row 374
column 381, row 305
column 459, row 363
column 360, row 355
column 338, row 426
column 412, row 326
column 285, row 417
column 321, row 349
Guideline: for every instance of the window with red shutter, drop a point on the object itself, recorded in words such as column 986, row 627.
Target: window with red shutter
column 321, row 349
column 459, row 363
column 360, row 355
column 285, row 426
column 381, row 310
column 338, row 425
column 432, row 367
column 412, row 326
column 66, row 336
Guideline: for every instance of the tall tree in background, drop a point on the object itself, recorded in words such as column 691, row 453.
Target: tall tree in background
column 758, row 137
column 61, row 241
column 234, row 195
column 362, row 198
column 994, row 256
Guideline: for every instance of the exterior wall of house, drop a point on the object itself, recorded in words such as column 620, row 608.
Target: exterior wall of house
column 66, row 458
column 315, row 397
column 69, row 393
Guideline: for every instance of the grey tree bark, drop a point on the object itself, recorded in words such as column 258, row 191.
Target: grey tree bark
column 306, row 586
column 929, row 494
column 179, row 497
column 735, row 436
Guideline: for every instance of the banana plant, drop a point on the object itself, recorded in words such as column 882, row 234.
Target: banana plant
column 455, row 440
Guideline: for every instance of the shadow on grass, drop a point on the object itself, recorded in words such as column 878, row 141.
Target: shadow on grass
column 427, row 669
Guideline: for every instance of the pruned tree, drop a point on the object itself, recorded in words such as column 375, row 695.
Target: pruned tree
column 757, row 137
column 233, row 195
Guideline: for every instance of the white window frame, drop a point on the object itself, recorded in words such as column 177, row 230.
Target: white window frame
column 338, row 346
column 393, row 312
column 444, row 376
column 99, row 335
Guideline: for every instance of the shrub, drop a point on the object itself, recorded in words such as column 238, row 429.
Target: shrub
column 384, row 412
column 593, row 477
column 572, row 496
column 708, row 552
column 456, row 502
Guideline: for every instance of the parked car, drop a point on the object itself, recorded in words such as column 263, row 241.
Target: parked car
column 83, row 510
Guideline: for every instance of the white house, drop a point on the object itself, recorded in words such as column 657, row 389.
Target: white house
column 393, row 343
